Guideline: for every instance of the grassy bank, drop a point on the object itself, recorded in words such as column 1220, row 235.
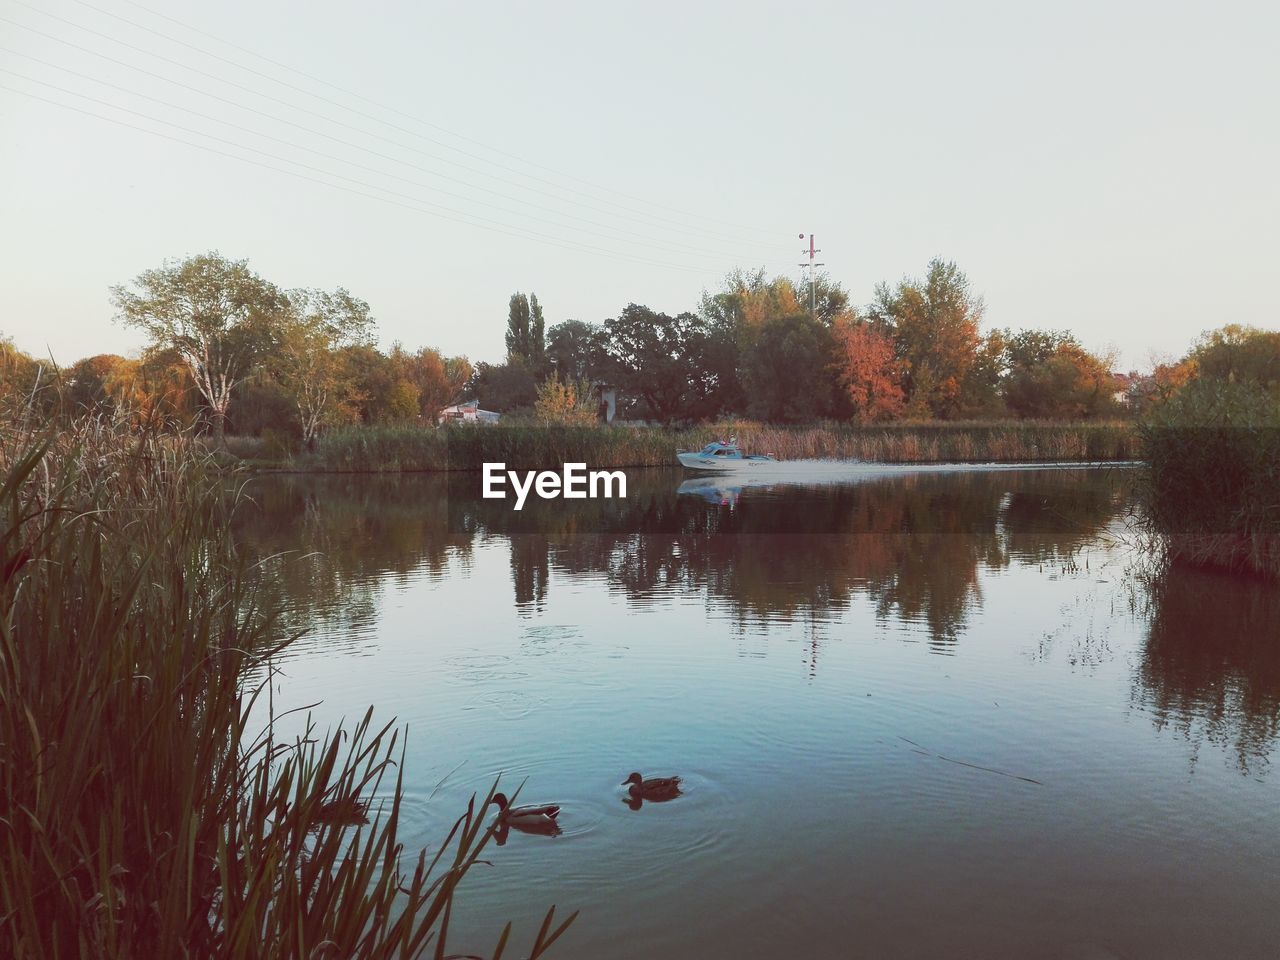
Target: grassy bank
column 145, row 808
column 409, row 448
column 1212, row 483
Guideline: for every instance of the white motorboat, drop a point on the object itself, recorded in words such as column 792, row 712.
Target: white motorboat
column 722, row 457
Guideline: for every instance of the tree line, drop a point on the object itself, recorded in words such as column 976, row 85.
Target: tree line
column 233, row 351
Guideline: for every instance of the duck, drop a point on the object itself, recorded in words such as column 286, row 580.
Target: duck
column 655, row 788
column 531, row 818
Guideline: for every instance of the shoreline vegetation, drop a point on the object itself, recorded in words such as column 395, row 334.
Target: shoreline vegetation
column 411, row 449
column 151, row 808
column 1211, row 487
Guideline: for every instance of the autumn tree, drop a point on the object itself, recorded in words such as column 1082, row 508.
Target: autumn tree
column 566, row 402
column 440, row 380
column 935, row 329
column 21, row 377
column 306, row 360
column 867, row 370
column 88, row 383
column 216, row 314
column 1238, row 354
column 1051, row 376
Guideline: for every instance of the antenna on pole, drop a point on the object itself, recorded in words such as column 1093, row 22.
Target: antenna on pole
column 813, row 274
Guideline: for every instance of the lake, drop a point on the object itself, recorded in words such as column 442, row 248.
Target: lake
column 924, row 714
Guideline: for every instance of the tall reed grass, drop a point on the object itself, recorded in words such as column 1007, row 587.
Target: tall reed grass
column 143, row 813
column 1212, row 482
column 412, row 448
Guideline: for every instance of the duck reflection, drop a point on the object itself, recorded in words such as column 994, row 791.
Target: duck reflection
column 547, row 828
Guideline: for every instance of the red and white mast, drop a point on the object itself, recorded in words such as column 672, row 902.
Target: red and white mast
column 813, row 274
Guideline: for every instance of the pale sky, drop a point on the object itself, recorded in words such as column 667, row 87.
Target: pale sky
column 1111, row 168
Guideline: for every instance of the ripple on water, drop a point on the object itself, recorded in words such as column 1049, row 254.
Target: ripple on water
column 506, row 704
column 552, row 640
column 479, row 668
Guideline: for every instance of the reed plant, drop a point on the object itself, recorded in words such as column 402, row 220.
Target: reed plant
column 531, row 446
column 145, row 808
column 1211, row 486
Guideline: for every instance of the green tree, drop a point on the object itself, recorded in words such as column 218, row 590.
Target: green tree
column 503, row 387
column 526, row 333
column 1239, row 354
column 787, row 370
column 402, row 402
column 935, row 328
column 1052, row 377
column 658, row 363
column 537, row 359
column 306, row 360
column 215, row 313
column 574, row 350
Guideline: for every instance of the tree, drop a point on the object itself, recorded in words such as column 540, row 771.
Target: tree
column 164, row 389
column 935, row 329
column 503, row 387
column 89, row 381
column 786, row 371
column 402, row 402
column 440, row 380
column 537, row 358
column 747, row 301
column 215, row 313
column 980, row 391
column 526, row 333
column 574, row 350
column 21, row 377
column 571, row 403
column 1052, row 377
column 1239, row 354
column 867, row 370
column 656, row 362
column 306, row 359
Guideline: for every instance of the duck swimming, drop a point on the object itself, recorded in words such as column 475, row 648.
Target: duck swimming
column 653, row 789
column 531, row 818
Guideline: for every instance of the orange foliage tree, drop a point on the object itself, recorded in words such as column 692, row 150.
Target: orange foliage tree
column 867, row 370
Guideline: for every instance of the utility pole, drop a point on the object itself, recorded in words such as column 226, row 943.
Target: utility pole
column 813, row 275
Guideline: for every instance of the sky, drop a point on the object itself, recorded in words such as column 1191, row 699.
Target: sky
column 1107, row 168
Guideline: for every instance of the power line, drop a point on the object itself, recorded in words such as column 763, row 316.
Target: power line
column 329, row 119
column 474, row 222
column 659, row 245
column 277, row 119
column 382, row 106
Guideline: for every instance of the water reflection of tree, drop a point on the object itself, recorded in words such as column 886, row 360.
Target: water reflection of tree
column 914, row 544
column 530, row 566
column 328, row 543
column 1211, row 664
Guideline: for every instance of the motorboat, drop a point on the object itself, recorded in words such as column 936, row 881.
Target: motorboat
column 722, row 456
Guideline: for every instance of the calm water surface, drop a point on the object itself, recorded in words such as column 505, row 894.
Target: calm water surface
column 935, row 715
